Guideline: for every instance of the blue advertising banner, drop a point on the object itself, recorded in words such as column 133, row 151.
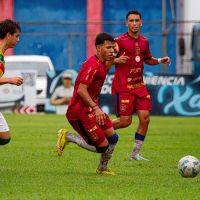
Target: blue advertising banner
column 176, row 95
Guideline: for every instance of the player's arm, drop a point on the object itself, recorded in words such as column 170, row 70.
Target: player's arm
column 156, row 61
column 11, row 80
column 85, row 96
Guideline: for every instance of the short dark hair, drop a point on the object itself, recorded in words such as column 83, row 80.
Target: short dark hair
column 8, row 26
column 134, row 12
column 102, row 37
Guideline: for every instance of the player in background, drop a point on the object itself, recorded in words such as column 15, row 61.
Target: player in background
column 130, row 92
column 9, row 37
column 84, row 114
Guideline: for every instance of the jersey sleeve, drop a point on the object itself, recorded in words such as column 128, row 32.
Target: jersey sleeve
column 88, row 74
column 148, row 54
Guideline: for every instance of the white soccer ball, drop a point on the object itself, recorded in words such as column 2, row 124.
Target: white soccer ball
column 189, row 166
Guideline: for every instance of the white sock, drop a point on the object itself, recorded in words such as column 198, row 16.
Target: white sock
column 105, row 157
column 77, row 139
column 137, row 147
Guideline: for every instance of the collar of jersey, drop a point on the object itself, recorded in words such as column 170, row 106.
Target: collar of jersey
column 132, row 37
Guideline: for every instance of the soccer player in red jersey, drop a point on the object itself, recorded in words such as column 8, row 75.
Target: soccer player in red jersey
column 9, row 37
column 131, row 94
column 84, row 114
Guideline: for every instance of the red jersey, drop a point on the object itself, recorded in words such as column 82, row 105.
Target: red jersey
column 129, row 75
column 92, row 73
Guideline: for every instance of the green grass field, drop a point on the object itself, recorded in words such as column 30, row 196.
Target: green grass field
column 30, row 169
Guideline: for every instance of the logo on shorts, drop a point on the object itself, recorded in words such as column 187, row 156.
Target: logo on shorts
column 94, row 136
column 92, row 129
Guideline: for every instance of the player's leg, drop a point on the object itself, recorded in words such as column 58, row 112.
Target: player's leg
column 90, row 136
column 4, row 131
column 95, row 140
column 112, row 138
column 105, row 157
column 122, row 121
column 4, row 138
column 143, row 106
column 140, row 134
column 100, row 139
column 123, row 109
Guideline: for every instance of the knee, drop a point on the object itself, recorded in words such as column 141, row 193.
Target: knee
column 113, row 139
column 145, row 121
column 4, row 141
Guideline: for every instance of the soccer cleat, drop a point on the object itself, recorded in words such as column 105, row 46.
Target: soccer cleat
column 62, row 141
column 105, row 171
column 137, row 157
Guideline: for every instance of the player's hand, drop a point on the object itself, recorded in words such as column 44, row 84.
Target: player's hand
column 122, row 59
column 100, row 115
column 16, row 80
column 116, row 50
column 165, row 60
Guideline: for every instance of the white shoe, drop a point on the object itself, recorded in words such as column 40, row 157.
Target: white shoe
column 137, row 157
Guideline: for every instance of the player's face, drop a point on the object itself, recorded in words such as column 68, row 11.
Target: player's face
column 107, row 50
column 134, row 23
column 13, row 39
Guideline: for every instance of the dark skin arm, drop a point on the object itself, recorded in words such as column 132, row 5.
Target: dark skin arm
column 123, row 58
column 151, row 61
column 85, row 96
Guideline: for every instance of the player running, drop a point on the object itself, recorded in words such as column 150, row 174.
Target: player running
column 93, row 125
column 9, row 37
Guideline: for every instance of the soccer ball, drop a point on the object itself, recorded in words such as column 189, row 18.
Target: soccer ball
column 188, row 166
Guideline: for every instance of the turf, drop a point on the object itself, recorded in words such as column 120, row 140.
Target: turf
column 30, row 169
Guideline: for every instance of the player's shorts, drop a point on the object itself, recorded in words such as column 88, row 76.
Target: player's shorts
column 88, row 128
column 127, row 103
column 3, row 124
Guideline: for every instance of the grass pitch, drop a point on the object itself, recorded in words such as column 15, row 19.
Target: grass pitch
column 30, row 169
